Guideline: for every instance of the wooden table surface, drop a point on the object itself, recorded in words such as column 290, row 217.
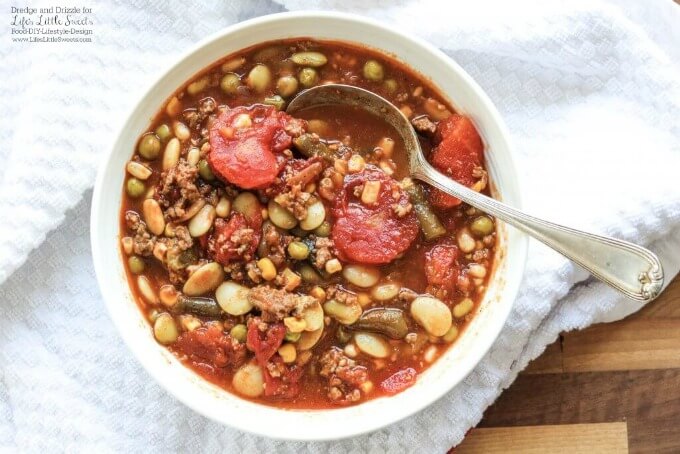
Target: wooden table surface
column 612, row 387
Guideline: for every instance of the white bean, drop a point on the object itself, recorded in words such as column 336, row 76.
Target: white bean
column 204, row 279
column 171, row 154
column 431, row 314
column 386, row 291
column 181, row 131
column 343, row 313
column 223, row 207
column 249, row 381
column 280, row 216
column 361, row 275
column 373, row 345
column 193, row 156
column 308, row 339
column 259, row 78
column 138, row 170
column 466, row 242
column 247, row 204
column 147, row 291
column 313, row 316
column 316, row 214
column 153, row 216
column 165, row 329
column 201, row 223
column 233, row 298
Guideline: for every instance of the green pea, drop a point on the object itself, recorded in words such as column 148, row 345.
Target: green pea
column 308, row 77
column 239, row 332
column 149, row 146
column 390, row 85
column 230, row 83
column 481, row 226
column 323, row 230
column 373, row 71
column 135, row 188
column 276, row 101
column 286, row 86
column 136, row 265
column 164, row 132
column 205, row 171
column 298, row 250
column 292, row 337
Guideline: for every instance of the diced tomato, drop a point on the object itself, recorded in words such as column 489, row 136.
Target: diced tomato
column 441, row 264
column 220, row 245
column 458, row 153
column 287, row 385
column 372, row 234
column 211, row 348
column 264, row 343
column 247, row 156
column 399, row 381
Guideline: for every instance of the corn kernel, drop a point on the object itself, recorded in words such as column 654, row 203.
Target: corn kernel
column 333, row 266
column 267, row 268
column 318, row 293
column 294, row 324
column 288, row 353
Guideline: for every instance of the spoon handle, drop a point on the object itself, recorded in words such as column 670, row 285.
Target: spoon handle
column 631, row 269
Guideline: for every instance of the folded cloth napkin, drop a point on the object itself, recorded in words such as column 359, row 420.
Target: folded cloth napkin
column 591, row 97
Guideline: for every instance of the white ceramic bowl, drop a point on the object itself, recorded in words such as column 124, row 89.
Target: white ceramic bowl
column 219, row 405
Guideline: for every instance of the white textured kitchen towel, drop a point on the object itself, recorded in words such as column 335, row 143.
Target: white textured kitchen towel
column 591, row 96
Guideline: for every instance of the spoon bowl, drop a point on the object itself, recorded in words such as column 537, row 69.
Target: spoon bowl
column 630, row 269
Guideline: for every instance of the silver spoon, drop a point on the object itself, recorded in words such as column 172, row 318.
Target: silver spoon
column 631, row 269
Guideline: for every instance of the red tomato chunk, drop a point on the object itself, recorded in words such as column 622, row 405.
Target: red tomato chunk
column 458, row 154
column 245, row 143
column 374, row 233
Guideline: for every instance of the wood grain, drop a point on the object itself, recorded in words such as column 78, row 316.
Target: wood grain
column 628, row 371
column 648, row 400
column 567, row 439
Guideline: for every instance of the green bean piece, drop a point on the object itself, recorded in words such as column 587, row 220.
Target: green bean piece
column 136, row 264
column 390, row 322
column 481, row 226
column 205, row 171
column 135, row 188
column 276, row 101
column 308, row 77
column 239, row 332
column 373, row 71
column 430, row 224
column 164, row 132
column 292, row 337
column 197, row 305
column 323, row 230
column 390, row 85
column 286, row 86
column 230, row 83
column 149, row 146
column 310, row 145
column 309, row 274
column 298, row 250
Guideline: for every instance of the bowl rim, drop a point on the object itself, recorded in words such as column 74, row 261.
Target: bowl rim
column 520, row 241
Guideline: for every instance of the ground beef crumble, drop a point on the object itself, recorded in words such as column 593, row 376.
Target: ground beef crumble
column 143, row 241
column 322, row 252
column 276, row 304
column 180, row 254
column 177, row 189
column 344, row 376
column 424, row 125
